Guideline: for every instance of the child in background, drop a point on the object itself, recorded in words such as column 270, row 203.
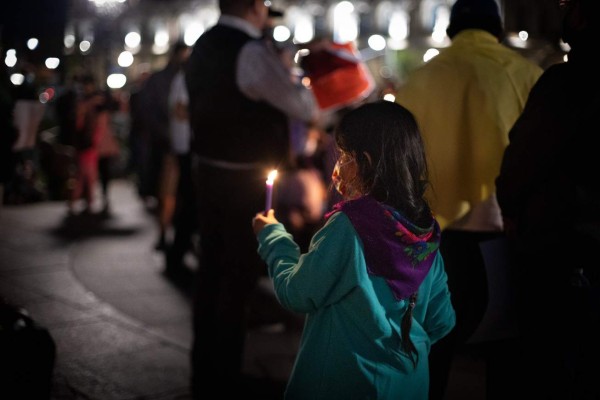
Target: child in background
column 372, row 283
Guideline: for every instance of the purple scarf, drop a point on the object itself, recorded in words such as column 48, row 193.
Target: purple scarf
column 395, row 249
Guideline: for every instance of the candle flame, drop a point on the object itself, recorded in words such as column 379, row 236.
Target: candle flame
column 271, row 177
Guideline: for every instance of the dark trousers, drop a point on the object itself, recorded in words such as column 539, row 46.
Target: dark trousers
column 559, row 317
column 467, row 282
column 185, row 218
column 105, row 172
column 227, row 276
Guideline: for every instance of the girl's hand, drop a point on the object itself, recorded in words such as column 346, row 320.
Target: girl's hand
column 260, row 220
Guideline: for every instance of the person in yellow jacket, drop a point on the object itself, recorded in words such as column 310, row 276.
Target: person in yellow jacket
column 465, row 101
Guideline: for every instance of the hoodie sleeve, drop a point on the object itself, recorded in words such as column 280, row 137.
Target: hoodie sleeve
column 440, row 317
column 306, row 282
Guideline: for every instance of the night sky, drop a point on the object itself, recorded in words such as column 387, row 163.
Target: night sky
column 44, row 19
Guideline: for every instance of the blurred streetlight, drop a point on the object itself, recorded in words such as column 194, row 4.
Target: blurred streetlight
column 32, row 43
column 116, row 81
column 52, row 62
column 125, row 59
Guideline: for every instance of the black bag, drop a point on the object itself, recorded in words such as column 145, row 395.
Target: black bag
column 27, row 355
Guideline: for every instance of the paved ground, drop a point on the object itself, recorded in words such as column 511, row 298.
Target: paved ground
column 122, row 330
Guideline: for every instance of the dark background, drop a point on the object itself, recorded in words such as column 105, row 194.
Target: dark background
column 43, row 19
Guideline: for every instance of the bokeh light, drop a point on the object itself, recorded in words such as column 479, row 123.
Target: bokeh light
column 116, row 81
column 52, row 62
column 32, row 43
column 125, row 59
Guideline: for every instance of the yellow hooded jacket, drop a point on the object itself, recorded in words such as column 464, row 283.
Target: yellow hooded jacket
column 465, row 100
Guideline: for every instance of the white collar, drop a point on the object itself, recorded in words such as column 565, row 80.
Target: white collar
column 240, row 24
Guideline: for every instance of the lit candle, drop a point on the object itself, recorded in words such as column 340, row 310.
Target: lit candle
column 270, row 182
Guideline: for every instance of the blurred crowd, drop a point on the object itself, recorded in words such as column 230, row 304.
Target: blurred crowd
column 67, row 140
column 60, row 140
column 198, row 136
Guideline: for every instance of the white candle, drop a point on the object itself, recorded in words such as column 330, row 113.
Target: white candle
column 270, row 182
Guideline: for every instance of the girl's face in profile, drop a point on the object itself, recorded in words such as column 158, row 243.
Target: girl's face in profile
column 345, row 176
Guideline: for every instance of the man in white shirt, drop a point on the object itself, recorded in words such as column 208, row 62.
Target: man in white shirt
column 241, row 99
column 184, row 217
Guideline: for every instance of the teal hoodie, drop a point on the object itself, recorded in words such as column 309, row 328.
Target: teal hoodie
column 350, row 345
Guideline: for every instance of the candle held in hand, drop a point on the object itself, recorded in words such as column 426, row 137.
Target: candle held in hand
column 270, row 182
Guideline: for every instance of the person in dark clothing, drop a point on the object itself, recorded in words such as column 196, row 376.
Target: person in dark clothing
column 8, row 132
column 153, row 101
column 137, row 131
column 465, row 101
column 66, row 104
column 183, row 220
column 549, row 193
column 240, row 98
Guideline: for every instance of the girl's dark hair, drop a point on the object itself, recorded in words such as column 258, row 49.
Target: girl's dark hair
column 384, row 139
column 395, row 170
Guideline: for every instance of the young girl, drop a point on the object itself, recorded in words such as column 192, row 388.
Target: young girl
column 372, row 284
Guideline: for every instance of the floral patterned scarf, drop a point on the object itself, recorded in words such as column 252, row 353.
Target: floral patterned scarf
column 395, row 249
